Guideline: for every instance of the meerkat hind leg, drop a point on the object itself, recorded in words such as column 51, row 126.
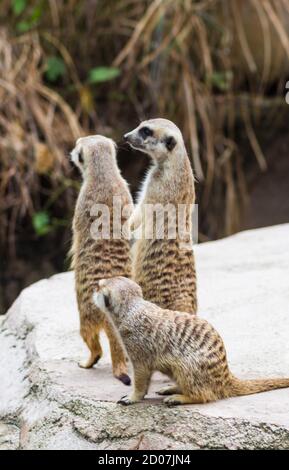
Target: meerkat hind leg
column 92, row 341
column 142, row 379
column 179, row 399
column 169, row 390
column 118, row 356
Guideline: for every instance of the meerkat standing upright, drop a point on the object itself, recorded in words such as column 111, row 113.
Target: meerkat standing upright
column 164, row 267
column 184, row 347
column 94, row 257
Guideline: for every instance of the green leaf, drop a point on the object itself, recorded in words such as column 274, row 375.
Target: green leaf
column 23, row 26
column 221, row 80
column 32, row 20
column 55, row 68
column 36, row 13
column 41, row 223
column 18, row 6
column 103, row 74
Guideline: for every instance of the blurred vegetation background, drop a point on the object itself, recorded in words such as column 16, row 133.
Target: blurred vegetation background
column 73, row 67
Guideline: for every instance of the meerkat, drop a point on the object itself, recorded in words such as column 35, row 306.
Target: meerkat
column 164, row 267
column 95, row 257
column 182, row 346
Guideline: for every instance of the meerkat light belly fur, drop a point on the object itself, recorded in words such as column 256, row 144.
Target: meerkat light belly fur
column 94, row 257
column 164, row 266
column 184, row 347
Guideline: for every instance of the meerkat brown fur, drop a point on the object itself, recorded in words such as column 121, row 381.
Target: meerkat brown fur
column 92, row 257
column 164, row 267
column 184, row 347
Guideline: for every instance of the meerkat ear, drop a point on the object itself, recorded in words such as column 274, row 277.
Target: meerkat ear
column 170, row 143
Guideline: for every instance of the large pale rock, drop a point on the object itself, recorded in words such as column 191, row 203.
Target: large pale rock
column 47, row 402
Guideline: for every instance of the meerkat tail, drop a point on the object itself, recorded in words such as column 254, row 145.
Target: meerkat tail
column 248, row 387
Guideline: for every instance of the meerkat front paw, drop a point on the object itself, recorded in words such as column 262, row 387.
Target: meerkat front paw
column 126, row 400
column 171, row 401
column 84, row 365
column 169, row 390
column 175, row 400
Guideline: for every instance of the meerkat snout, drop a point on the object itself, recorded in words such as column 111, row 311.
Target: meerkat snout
column 133, row 140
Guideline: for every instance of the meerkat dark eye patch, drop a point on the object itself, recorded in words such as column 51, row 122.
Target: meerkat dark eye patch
column 170, row 143
column 106, row 301
column 80, row 156
column 145, row 132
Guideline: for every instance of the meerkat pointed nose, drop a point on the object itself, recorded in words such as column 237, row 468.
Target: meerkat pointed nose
column 126, row 137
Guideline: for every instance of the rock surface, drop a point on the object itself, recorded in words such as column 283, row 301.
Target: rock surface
column 47, row 402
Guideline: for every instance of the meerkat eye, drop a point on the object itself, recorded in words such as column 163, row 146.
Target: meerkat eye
column 146, row 132
column 170, row 143
column 80, row 156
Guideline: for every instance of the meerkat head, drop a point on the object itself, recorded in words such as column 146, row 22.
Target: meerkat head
column 159, row 138
column 88, row 150
column 113, row 295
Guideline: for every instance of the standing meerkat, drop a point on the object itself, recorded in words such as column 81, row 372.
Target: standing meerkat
column 95, row 257
column 165, row 268
column 184, row 347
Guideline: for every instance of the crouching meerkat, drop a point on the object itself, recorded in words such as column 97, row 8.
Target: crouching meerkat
column 184, row 347
column 164, row 266
column 95, row 257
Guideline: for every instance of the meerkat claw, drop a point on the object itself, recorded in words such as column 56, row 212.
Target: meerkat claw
column 125, row 401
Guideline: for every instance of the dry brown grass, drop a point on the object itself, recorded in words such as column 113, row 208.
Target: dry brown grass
column 191, row 61
column 36, row 126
